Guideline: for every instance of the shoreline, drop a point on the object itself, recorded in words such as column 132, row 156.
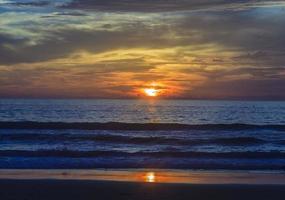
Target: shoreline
column 140, row 184
column 111, row 190
column 150, row 175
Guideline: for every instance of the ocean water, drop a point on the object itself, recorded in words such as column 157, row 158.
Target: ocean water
column 166, row 134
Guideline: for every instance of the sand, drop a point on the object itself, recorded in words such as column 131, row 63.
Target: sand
column 108, row 190
column 140, row 184
column 151, row 175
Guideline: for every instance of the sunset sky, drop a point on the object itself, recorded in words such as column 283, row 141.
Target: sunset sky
column 189, row 49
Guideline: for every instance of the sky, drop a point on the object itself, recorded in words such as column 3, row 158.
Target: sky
column 184, row 49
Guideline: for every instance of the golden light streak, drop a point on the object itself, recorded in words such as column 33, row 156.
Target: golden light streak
column 150, row 177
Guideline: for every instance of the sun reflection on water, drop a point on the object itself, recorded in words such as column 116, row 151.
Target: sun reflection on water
column 150, row 177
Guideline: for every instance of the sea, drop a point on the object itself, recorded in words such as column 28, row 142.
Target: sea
column 140, row 134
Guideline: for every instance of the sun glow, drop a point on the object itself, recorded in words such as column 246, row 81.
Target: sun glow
column 151, row 92
column 150, row 177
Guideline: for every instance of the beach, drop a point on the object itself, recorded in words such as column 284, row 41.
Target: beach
column 187, row 150
column 139, row 184
column 142, row 100
column 58, row 189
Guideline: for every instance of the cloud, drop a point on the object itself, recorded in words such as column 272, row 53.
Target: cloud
column 30, row 3
column 73, row 51
column 241, row 90
column 14, row 4
column 244, row 34
column 166, row 5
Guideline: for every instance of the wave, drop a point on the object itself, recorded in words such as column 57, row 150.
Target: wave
column 282, row 142
column 239, row 141
column 133, row 140
column 135, row 126
column 162, row 154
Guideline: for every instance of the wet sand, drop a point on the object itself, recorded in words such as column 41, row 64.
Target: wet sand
column 152, row 175
column 108, row 190
column 140, row 184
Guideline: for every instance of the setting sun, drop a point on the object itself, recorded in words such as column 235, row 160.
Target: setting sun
column 151, row 92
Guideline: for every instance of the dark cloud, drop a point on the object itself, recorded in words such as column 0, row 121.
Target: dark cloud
column 30, row 3
column 162, row 5
column 76, row 14
column 256, row 40
column 71, row 14
column 240, row 90
column 62, row 43
column 242, row 30
column 7, row 43
column 257, row 73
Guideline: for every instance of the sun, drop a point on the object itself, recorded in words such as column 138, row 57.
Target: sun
column 151, row 92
